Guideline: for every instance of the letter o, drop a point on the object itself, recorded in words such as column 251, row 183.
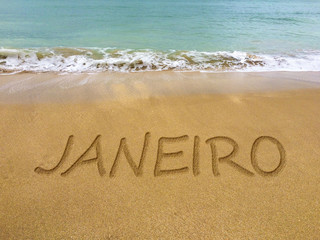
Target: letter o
column 254, row 160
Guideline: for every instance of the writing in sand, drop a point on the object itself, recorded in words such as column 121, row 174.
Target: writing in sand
column 137, row 169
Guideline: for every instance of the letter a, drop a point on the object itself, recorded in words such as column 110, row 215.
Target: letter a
column 81, row 160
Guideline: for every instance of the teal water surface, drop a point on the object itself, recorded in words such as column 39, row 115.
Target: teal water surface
column 202, row 25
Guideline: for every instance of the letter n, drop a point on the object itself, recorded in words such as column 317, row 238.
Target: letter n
column 124, row 148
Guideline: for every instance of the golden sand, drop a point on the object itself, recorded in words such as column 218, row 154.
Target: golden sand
column 160, row 156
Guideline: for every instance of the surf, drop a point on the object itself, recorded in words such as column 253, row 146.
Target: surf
column 91, row 60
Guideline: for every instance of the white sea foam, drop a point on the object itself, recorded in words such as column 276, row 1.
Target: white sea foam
column 73, row 60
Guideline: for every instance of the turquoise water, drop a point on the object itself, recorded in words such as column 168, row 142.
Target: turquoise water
column 209, row 31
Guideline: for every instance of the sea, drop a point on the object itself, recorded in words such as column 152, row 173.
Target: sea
column 158, row 35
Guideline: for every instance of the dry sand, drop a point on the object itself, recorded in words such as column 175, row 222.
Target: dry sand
column 206, row 197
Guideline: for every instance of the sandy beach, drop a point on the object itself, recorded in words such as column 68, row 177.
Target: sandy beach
column 160, row 155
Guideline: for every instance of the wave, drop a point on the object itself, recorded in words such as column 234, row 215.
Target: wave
column 77, row 60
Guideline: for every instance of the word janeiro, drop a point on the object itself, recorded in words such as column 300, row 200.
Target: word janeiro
column 162, row 154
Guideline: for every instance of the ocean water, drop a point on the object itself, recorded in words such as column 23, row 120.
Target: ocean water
column 150, row 35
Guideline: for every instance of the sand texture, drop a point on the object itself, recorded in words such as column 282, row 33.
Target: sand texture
column 160, row 156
